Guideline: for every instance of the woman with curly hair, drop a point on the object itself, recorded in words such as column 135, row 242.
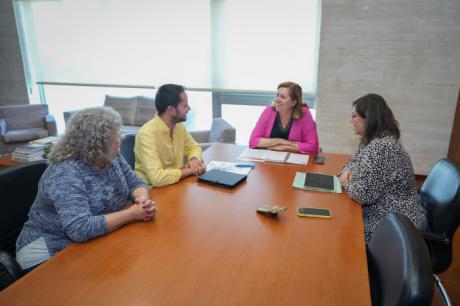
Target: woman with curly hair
column 85, row 191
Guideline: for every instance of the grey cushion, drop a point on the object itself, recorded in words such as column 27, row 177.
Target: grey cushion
column 126, row 107
column 222, row 131
column 24, row 135
column 130, row 129
column 200, row 136
column 145, row 110
column 23, row 117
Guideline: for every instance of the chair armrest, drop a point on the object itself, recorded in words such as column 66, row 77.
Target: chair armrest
column 200, row 136
column 51, row 126
column 69, row 114
column 435, row 237
column 205, row 145
column 10, row 271
column 3, row 126
column 3, row 130
column 222, row 131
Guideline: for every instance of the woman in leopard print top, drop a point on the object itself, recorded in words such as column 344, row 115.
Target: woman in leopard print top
column 379, row 176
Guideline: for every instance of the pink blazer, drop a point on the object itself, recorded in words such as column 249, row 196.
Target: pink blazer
column 303, row 130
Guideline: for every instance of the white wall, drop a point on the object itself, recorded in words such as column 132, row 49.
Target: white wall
column 408, row 51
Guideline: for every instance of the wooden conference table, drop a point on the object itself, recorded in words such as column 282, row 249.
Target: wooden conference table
column 208, row 246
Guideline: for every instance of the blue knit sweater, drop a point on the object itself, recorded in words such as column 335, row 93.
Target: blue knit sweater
column 73, row 198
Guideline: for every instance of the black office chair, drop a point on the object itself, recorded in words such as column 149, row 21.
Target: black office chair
column 18, row 189
column 440, row 195
column 399, row 264
column 127, row 148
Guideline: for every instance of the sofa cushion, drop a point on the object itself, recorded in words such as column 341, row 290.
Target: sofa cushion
column 24, row 135
column 129, row 129
column 125, row 106
column 26, row 116
column 221, row 131
column 145, row 110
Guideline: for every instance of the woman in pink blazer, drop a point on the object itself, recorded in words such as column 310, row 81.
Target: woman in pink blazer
column 287, row 124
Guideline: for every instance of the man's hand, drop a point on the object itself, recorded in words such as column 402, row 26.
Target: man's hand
column 196, row 166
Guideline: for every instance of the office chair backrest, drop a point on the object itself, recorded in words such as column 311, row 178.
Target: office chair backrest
column 399, row 264
column 127, row 148
column 18, row 189
column 440, row 195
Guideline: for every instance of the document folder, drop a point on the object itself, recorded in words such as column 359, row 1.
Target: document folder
column 299, row 182
column 221, row 178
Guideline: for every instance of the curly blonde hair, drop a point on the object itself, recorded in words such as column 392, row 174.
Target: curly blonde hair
column 89, row 137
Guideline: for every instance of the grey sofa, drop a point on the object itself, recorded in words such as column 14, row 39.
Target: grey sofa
column 20, row 124
column 135, row 111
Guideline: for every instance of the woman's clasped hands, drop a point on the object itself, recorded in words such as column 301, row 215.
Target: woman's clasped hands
column 144, row 208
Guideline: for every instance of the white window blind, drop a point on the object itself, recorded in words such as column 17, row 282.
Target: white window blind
column 230, row 44
column 263, row 43
column 121, row 42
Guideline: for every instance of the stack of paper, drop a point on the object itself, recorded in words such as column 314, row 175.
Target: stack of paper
column 29, row 152
column 46, row 140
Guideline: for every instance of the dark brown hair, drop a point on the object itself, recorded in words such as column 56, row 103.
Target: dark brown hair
column 379, row 117
column 295, row 92
column 168, row 95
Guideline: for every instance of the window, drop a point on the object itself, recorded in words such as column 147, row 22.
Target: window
column 259, row 44
column 213, row 45
column 120, row 42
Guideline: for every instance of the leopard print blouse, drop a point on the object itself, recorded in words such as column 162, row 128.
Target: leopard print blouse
column 383, row 181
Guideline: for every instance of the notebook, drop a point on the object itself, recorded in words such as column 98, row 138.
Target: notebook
column 221, row 178
column 273, row 156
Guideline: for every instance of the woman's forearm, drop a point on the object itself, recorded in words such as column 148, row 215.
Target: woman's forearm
column 271, row 142
column 117, row 219
column 291, row 147
column 140, row 192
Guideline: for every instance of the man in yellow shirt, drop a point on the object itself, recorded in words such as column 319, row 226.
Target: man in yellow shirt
column 163, row 142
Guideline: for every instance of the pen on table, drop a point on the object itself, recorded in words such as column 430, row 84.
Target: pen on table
column 245, row 165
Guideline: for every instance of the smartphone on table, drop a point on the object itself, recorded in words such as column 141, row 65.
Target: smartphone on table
column 314, row 212
column 319, row 159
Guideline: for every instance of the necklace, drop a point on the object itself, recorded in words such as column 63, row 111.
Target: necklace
column 280, row 124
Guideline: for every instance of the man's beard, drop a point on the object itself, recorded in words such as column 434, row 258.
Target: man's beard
column 178, row 119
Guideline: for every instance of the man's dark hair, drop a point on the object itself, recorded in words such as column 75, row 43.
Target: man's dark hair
column 379, row 117
column 168, row 95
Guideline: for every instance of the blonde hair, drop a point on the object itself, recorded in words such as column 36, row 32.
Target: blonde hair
column 89, row 137
column 295, row 92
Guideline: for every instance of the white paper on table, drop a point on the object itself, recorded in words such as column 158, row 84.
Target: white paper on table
column 298, row 159
column 263, row 155
column 227, row 166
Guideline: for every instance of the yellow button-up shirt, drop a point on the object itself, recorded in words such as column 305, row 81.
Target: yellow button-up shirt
column 159, row 157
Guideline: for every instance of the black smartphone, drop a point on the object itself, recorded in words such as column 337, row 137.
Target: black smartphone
column 319, row 159
column 313, row 212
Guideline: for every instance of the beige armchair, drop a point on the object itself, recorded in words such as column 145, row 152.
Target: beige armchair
column 20, row 124
column 221, row 131
column 135, row 111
